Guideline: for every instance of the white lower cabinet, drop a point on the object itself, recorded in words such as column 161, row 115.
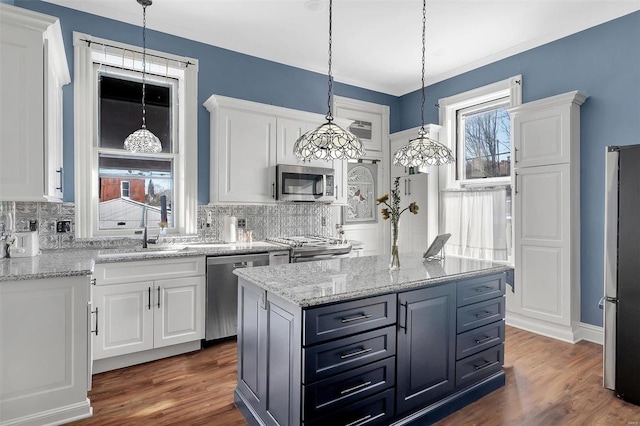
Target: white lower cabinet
column 44, row 360
column 147, row 314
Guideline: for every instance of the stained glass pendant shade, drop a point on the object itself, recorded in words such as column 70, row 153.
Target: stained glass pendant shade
column 329, row 141
column 423, row 151
column 142, row 140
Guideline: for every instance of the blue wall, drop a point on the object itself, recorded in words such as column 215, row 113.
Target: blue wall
column 604, row 63
column 221, row 72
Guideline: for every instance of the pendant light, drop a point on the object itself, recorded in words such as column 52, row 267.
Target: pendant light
column 329, row 141
column 423, row 151
column 143, row 140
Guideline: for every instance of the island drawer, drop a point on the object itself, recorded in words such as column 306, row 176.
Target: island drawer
column 334, row 357
column 342, row 319
column 479, row 289
column 479, row 314
column 325, row 396
column 376, row 410
column 483, row 364
column 479, row 339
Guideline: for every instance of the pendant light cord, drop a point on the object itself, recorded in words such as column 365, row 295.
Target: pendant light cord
column 144, row 63
column 329, row 116
column 424, row 30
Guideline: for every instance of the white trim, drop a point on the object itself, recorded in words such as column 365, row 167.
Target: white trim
column 85, row 129
column 578, row 332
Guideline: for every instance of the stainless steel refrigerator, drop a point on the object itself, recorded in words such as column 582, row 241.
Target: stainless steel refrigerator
column 622, row 272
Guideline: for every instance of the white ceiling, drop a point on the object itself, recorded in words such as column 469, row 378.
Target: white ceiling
column 376, row 43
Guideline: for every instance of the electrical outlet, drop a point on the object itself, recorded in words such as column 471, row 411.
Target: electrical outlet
column 242, row 223
column 63, row 226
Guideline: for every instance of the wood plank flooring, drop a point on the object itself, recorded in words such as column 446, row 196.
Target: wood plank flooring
column 548, row 383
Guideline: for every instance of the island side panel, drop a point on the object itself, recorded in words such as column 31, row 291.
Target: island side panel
column 269, row 345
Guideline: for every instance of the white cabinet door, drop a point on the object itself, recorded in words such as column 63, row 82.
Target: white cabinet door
column 33, row 69
column 413, row 229
column 124, row 318
column 544, row 131
column 179, row 311
column 542, row 243
column 246, row 156
column 341, row 188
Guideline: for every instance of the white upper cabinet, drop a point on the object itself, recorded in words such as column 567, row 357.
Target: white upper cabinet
column 542, row 130
column 248, row 140
column 33, row 69
column 366, row 120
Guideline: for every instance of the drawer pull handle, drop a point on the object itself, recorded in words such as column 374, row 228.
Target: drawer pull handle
column 358, row 318
column 355, row 388
column 486, row 339
column 360, row 421
column 484, row 314
column 356, row 353
column 482, row 366
column 483, row 289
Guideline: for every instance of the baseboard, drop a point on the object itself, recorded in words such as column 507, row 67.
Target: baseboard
column 113, row 363
column 574, row 334
column 591, row 333
column 66, row 414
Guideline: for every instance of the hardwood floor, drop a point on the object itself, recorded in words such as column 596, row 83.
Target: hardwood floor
column 548, row 383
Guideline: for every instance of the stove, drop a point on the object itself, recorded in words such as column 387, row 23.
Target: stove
column 308, row 248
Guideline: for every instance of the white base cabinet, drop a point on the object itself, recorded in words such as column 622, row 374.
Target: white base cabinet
column 33, row 69
column 44, row 359
column 161, row 305
column 546, row 141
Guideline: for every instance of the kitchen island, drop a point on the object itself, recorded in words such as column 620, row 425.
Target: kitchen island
column 347, row 341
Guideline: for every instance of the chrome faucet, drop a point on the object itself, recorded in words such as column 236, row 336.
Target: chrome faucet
column 145, row 240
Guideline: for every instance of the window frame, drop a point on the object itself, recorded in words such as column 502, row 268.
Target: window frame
column 90, row 58
column 510, row 89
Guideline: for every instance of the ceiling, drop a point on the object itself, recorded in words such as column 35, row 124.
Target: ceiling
column 376, row 43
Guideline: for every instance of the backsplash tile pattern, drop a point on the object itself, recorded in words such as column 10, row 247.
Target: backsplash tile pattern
column 265, row 220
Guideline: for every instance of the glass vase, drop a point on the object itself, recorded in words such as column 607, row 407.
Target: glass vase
column 394, row 263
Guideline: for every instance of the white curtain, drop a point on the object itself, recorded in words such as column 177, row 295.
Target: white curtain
column 477, row 222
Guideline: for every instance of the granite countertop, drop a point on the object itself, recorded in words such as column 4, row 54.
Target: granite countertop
column 73, row 262
column 315, row 283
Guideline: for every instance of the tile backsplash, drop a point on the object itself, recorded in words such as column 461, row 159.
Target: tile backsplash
column 265, row 220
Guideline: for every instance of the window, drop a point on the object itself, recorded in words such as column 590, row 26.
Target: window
column 124, row 189
column 484, row 141
column 117, row 191
column 146, row 180
column 476, row 192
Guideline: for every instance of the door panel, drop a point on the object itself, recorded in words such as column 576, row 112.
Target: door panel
column 125, row 319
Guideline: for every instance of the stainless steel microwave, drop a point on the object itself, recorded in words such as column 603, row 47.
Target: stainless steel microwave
column 301, row 183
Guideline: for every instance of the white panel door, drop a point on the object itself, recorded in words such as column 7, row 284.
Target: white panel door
column 414, row 228
column 21, row 113
column 124, row 319
column 542, row 137
column 542, row 243
column 179, row 311
column 246, row 156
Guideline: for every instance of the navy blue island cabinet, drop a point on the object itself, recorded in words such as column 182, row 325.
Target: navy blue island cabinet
column 408, row 356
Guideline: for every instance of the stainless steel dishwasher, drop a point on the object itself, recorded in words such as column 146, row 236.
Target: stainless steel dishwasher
column 221, row 317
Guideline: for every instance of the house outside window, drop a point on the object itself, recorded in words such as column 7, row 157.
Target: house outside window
column 124, row 189
column 118, row 191
column 475, row 192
